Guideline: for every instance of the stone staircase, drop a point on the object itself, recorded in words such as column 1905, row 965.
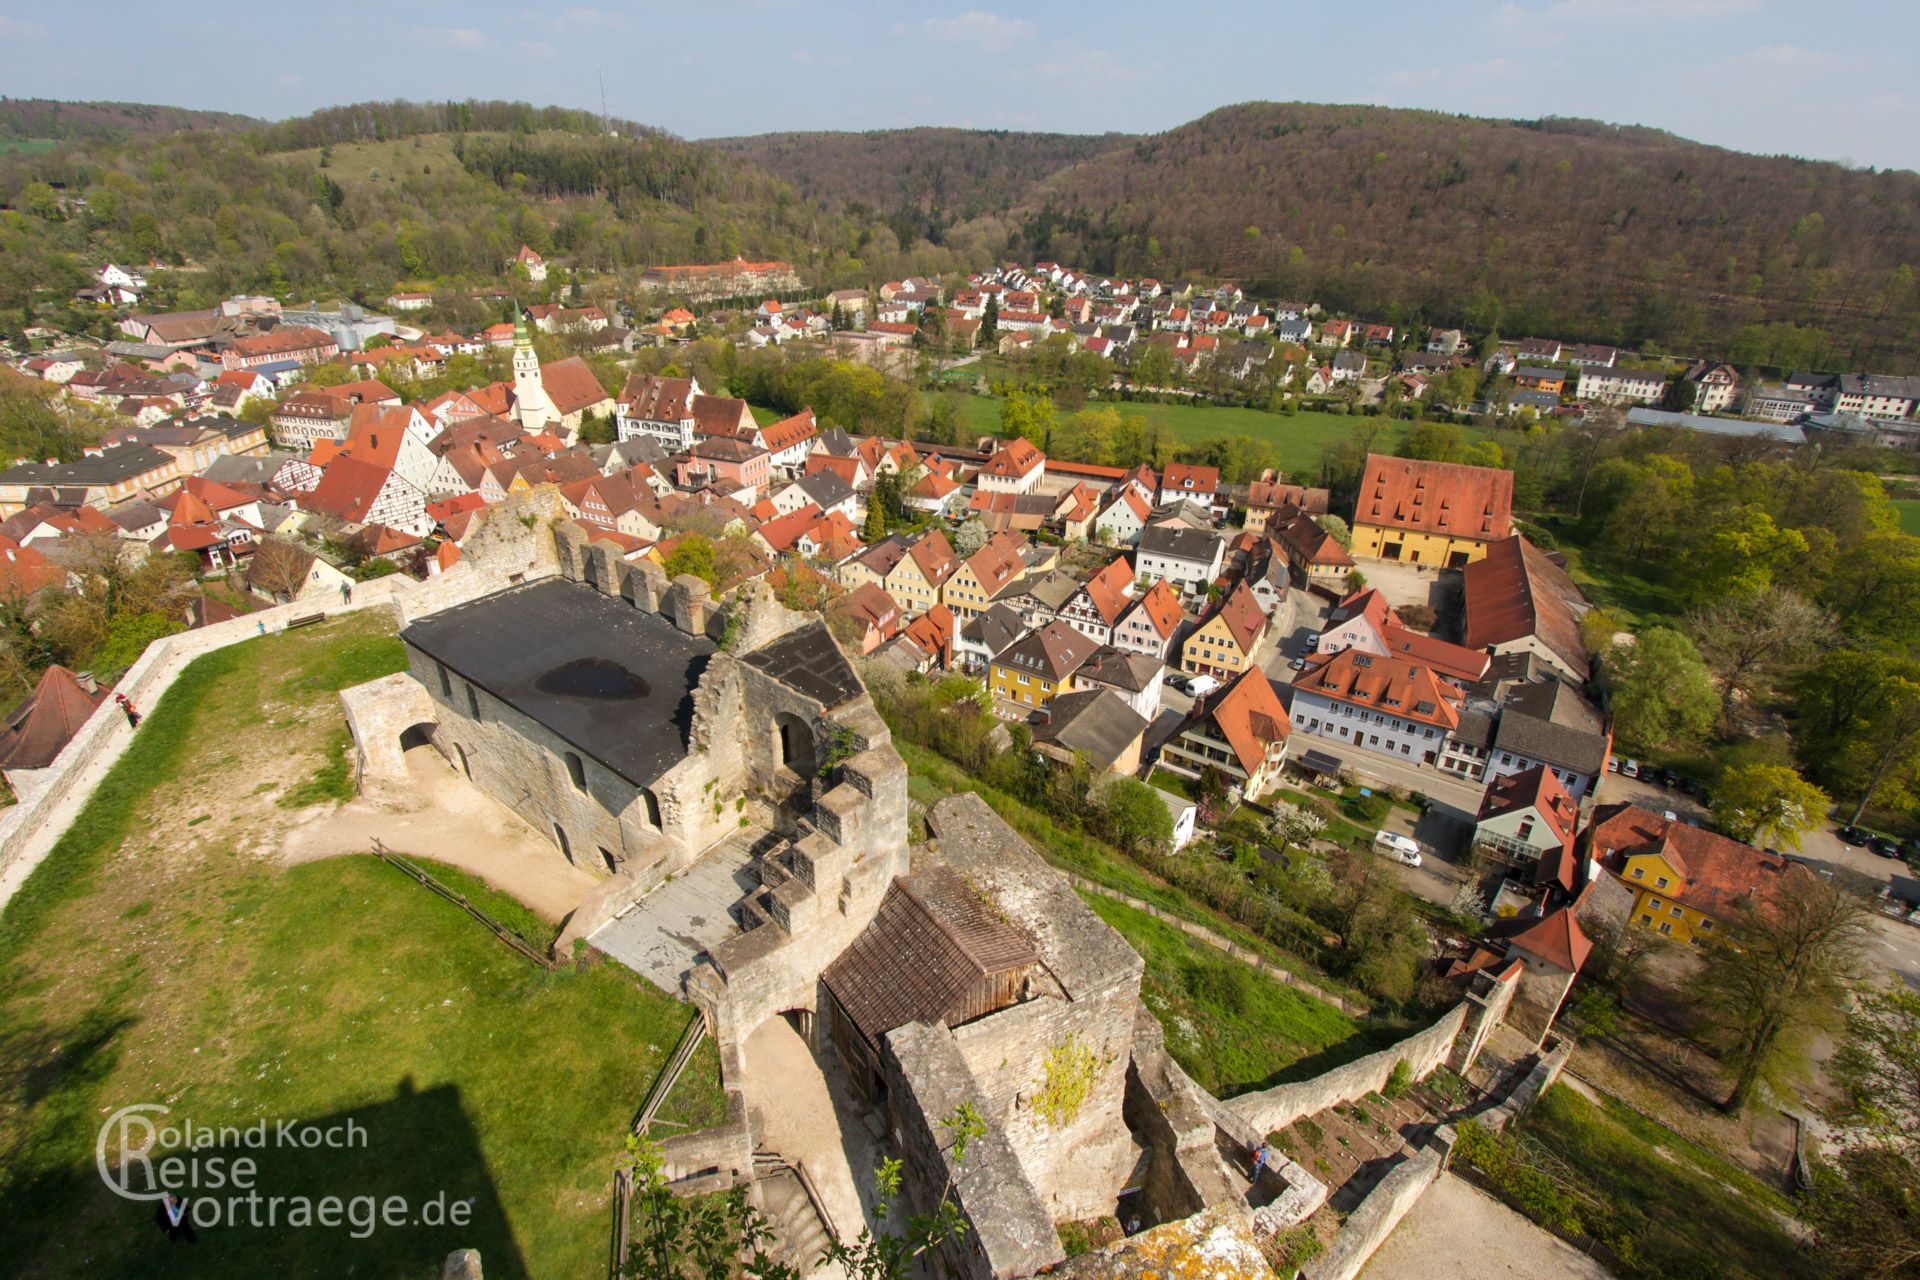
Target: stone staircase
column 799, row 1235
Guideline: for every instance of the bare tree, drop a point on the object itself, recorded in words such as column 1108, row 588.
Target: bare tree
column 1747, row 638
column 1780, row 972
column 279, row 568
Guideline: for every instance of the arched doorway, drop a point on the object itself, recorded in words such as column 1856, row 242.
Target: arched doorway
column 417, row 735
column 793, row 740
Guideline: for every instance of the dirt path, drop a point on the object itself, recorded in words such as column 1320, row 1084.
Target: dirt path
column 1458, row 1232
column 444, row 817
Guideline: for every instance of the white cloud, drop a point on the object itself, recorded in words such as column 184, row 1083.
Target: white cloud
column 580, row 18
column 1086, row 67
column 978, row 28
column 14, row 29
column 1662, row 10
column 453, row 37
column 539, row 50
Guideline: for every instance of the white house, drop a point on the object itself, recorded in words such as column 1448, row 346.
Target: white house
column 1186, row 557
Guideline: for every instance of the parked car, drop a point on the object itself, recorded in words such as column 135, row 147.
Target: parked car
column 1298, row 664
column 1669, row 779
column 1690, row 786
column 1402, row 849
column 1854, row 835
column 1884, row 846
column 1629, row 768
column 1200, row 686
column 1613, row 764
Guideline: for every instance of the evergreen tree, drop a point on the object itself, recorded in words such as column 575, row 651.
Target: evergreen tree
column 990, row 322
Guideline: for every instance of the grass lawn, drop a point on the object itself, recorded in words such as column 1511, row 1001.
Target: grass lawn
column 1909, row 509
column 26, row 146
column 1229, row 1025
column 1298, row 440
column 1681, row 1205
column 163, row 954
column 1636, row 601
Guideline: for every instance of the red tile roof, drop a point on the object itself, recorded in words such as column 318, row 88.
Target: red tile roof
column 46, row 721
column 1013, row 460
column 1188, row 477
column 1108, row 589
column 1161, row 607
column 1556, row 938
column 1513, row 592
column 1720, row 875
column 1249, row 716
column 1391, row 685
column 1446, row 499
column 572, row 385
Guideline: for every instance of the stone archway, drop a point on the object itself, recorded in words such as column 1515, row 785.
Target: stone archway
column 418, row 735
column 379, row 714
column 793, row 744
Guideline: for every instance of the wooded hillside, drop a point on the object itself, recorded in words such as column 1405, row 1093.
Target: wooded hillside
column 46, row 118
column 1563, row 227
column 962, row 173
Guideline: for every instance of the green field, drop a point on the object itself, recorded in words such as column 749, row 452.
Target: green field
column 1909, row 509
column 1229, row 1025
column 1298, row 440
column 1667, row 1206
column 164, row 954
column 29, row 146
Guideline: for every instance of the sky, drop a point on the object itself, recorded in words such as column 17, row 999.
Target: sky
column 1832, row 83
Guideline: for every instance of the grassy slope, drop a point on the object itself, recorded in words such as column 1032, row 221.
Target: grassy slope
column 934, row 777
column 1693, row 1204
column 158, row 957
column 1909, row 509
column 1232, row 1027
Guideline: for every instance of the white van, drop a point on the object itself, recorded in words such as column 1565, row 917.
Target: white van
column 1402, row 849
column 1201, row 686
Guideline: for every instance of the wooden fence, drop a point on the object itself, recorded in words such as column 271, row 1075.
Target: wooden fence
column 500, row 931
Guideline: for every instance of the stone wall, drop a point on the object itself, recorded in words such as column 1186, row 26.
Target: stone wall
column 1011, row 1231
column 1375, row 1217
column 1488, row 997
column 29, row 830
column 1276, row 1108
column 378, row 713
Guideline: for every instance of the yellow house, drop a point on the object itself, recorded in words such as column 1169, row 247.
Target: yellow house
column 1440, row 514
column 983, row 575
column 1227, row 640
column 1687, row 883
column 871, row 567
column 917, row 577
column 1036, row 668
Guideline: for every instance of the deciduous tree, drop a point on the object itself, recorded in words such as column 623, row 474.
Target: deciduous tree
column 1779, row 972
column 1661, row 691
column 1747, row 637
column 1767, row 804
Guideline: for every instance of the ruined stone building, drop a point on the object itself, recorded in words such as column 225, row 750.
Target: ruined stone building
column 723, row 770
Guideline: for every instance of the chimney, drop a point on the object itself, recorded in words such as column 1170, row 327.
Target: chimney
column 86, row 681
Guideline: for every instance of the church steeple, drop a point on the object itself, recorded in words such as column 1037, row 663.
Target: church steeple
column 532, row 408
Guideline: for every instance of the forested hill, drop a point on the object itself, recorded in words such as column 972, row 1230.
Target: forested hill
column 961, row 172
column 43, row 118
column 1569, row 227
column 355, row 201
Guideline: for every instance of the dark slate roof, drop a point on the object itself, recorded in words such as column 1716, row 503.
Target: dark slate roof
column 1095, row 723
column 825, row 489
column 997, row 628
column 1179, row 542
column 807, row 660
column 110, row 466
column 1550, row 722
column 533, row 646
column 933, row 939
